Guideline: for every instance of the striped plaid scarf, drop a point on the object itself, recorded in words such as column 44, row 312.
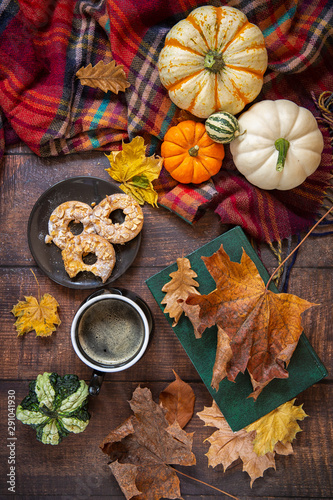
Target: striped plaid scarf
column 42, row 103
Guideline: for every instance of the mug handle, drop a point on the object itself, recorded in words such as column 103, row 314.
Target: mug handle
column 97, row 377
column 95, row 383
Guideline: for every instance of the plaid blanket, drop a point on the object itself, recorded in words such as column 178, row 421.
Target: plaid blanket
column 42, row 103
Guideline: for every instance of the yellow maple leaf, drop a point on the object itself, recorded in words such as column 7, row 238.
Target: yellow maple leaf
column 135, row 171
column 280, row 425
column 227, row 446
column 40, row 316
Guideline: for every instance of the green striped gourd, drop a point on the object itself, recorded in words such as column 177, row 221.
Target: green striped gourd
column 222, row 127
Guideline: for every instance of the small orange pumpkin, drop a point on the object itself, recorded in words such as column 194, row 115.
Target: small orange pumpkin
column 190, row 155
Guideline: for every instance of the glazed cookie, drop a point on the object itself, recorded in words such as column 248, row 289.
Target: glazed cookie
column 117, row 233
column 83, row 244
column 60, row 218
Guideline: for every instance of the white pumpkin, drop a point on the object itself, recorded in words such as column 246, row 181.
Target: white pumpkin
column 213, row 60
column 280, row 144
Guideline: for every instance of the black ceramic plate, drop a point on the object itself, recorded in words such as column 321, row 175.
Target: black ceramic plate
column 48, row 256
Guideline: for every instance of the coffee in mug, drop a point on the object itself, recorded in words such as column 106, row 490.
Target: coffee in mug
column 110, row 333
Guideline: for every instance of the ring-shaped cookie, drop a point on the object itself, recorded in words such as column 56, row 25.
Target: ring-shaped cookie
column 60, row 218
column 83, row 244
column 117, row 233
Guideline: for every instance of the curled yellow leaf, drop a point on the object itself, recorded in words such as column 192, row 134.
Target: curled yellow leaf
column 227, row 446
column 135, row 171
column 280, row 425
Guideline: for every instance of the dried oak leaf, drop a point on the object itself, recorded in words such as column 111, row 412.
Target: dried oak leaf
column 104, row 76
column 135, row 171
column 258, row 328
column 40, row 316
column 227, row 446
column 178, row 399
column 142, row 448
column 179, row 288
column 279, row 425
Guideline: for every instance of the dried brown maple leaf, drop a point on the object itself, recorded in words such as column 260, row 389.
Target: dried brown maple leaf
column 104, row 76
column 227, row 446
column 41, row 316
column 258, row 329
column 142, row 448
column 178, row 399
column 178, row 288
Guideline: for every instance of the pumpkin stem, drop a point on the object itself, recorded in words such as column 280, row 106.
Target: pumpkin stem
column 194, row 151
column 282, row 145
column 214, row 61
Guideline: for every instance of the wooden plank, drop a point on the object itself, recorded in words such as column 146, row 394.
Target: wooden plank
column 26, row 177
column 19, row 148
column 22, row 357
column 164, row 235
column 77, row 467
column 315, row 285
column 55, row 353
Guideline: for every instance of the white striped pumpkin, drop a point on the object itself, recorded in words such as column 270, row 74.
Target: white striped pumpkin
column 222, row 127
column 213, row 60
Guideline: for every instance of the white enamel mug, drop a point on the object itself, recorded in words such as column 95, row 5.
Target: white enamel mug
column 110, row 332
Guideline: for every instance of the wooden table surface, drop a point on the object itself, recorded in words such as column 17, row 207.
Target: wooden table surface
column 77, row 468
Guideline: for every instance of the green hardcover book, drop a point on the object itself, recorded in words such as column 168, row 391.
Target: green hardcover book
column 305, row 367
